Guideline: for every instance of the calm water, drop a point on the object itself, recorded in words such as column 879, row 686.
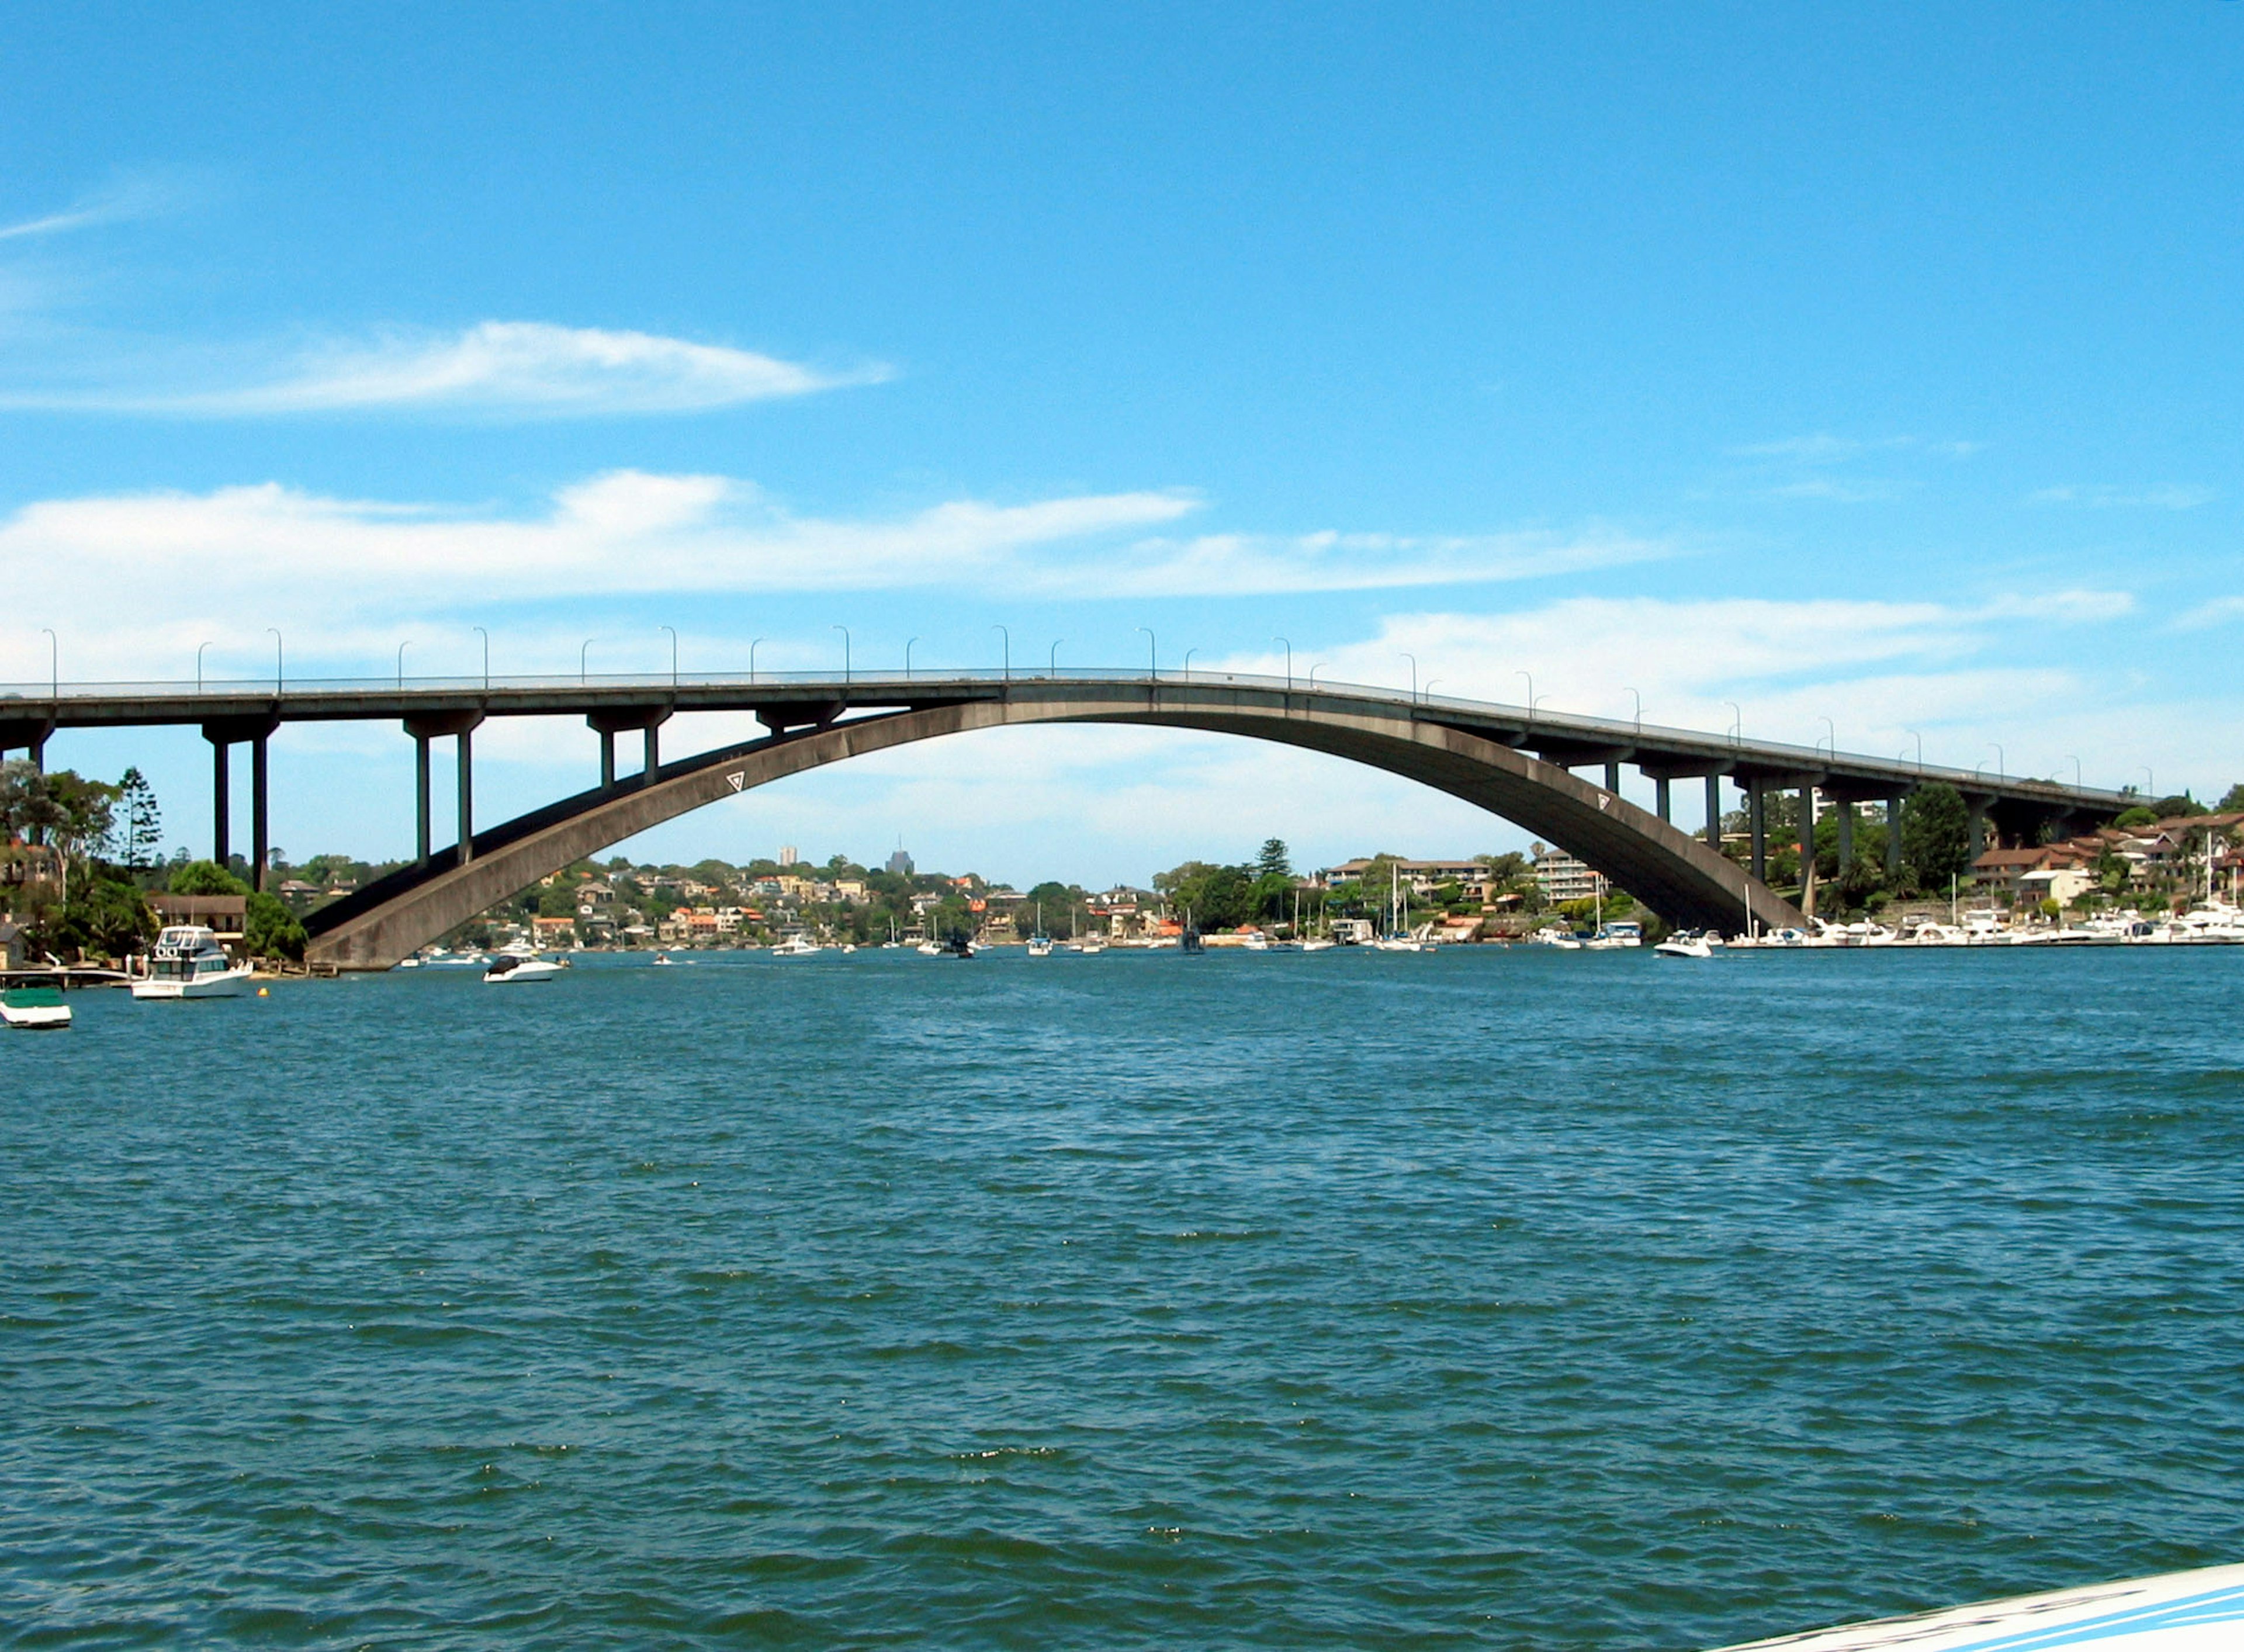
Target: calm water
column 1478, row 1299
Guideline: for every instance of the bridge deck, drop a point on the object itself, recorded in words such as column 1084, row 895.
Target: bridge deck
column 29, row 712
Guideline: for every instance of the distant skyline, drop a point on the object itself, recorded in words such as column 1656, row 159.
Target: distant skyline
column 1882, row 369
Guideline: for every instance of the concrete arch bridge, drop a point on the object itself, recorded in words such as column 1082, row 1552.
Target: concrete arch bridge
column 1515, row 763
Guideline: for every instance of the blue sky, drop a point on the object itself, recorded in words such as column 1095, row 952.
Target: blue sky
column 1878, row 368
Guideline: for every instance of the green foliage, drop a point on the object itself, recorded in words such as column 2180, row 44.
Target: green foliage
column 1217, row 897
column 1936, row 835
column 2233, row 803
column 1272, row 861
column 2131, row 818
column 107, row 916
column 206, row 877
column 2178, row 807
column 270, row 930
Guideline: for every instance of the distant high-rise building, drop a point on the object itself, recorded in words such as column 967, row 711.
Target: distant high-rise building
column 901, row 863
column 788, row 854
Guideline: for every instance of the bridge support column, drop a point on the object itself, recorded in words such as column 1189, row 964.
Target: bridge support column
column 221, row 799
column 1893, row 840
column 260, row 813
column 467, row 779
column 1978, row 827
column 1715, row 813
column 421, row 798
column 1757, row 824
column 1661, row 799
column 1613, row 778
column 1846, row 835
column 1808, row 850
column 460, row 726
column 608, row 724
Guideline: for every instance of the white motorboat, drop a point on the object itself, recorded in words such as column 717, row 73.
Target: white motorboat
column 189, row 963
column 34, row 1009
column 2178, row 1612
column 797, row 945
column 663, row 960
column 1319, row 944
column 1554, row 937
column 1685, row 943
column 511, row 968
column 1256, row 941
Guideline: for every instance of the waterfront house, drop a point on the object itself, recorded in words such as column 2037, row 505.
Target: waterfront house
column 224, row 916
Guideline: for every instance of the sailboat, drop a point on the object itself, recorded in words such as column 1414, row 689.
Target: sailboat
column 1395, row 940
column 1040, row 945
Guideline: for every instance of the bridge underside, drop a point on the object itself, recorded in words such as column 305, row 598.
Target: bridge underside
column 1670, row 870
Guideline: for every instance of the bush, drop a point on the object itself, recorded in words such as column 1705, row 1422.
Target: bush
column 206, row 877
column 270, row 930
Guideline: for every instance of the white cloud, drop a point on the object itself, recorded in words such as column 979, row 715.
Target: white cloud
column 2218, row 611
column 516, row 368
column 341, row 576
column 2166, row 497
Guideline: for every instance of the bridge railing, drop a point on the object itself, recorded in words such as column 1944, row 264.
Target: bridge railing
column 227, row 694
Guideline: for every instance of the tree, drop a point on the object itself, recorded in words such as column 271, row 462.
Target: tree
column 1272, row 861
column 2233, row 803
column 2129, row 819
column 141, row 838
column 27, row 803
column 2178, row 807
column 109, row 914
column 206, row 877
column 1936, row 833
column 270, row 930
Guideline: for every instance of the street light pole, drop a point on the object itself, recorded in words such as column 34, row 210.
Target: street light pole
column 673, row 659
column 54, row 663
column 1530, row 694
column 1189, row 652
column 583, row 653
column 1919, row 739
column 1737, row 722
column 2000, row 760
column 199, row 665
column 908, row 649
column 2077, row 783
column 1413, row 659
column 1834, row 727
column 401, row 663
column 1289, row 662
column 1152, row 656
column 1313, row 669
column 280, row 675
column 1008, row 637
column 844, row 630
column 1055, row 655
column 752, row 659
column 485, row 635
column 1639, row 713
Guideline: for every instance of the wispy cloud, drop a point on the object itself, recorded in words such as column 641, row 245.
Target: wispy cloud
column 2166, row 497
column 1830, row 468
column 532, row 369
column 338, row 573
column 131, row 195
column 2219, row 612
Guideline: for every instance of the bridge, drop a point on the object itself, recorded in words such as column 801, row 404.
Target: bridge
column 1516, row 761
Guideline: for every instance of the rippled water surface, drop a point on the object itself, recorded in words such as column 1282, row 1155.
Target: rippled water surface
column 1477, row 1299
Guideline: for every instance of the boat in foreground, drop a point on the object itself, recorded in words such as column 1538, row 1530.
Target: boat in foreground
column 511, row 968
column 34, row 1009
column 190, row 964
column 1685, row 943
column 2197, row 1611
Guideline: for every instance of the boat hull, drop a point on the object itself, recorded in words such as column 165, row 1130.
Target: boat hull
column 232, row 983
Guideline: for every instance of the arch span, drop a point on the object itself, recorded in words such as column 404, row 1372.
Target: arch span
column 1667, row 868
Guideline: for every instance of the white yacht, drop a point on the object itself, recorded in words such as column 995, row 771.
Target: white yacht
column 511, row 969
column 797, row 945
column 190, row 964
column 1685, row 943
column 1551, row 935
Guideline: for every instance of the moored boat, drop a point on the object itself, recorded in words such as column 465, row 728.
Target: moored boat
column 188, row 963
column 510, row 969
column 34, row 1009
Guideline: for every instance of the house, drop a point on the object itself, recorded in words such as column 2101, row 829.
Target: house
column 2001, row 869
column 554, row 931
column 1560, row 878
column 2064, row 884
column 1424, row 875
column 222, row 915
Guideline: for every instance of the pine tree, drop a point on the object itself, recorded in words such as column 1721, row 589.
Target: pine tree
column 144, row 822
